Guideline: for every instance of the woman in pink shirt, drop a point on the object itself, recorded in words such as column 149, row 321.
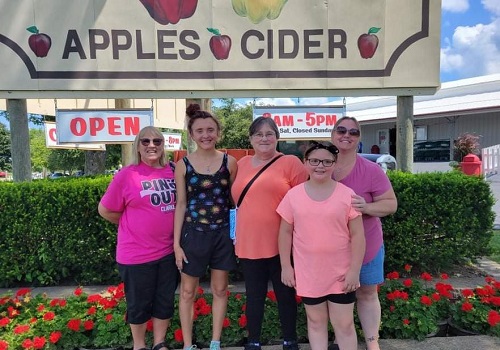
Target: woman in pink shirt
column 141, row 199
column 374, row 198
column 318, row 220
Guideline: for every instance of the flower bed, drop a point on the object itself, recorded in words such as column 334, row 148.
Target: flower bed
column 411, row 308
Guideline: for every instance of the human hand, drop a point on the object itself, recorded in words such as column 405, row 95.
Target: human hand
column 358, row 203
column 288, row 276
column 180, row 258
column 351, row 281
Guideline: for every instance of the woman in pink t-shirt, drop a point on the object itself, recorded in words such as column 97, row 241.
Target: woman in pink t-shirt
column 374, row 198
column 318, row 220
column 141, row 199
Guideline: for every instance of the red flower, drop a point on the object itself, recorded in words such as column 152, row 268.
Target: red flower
column 78, row 291
column 200, row 291
column 57, row 302
column 226, row 323
column 22, row 292
column 4, row 300
column 33, row 320
column 444, row 289
column 178, row 335
column 407, row 282
column 40, row 308
column 39, row 342
column 205, row 310
column 237, row 296
column 408, row 267
column 406, row 321
column 426, row 276
column 393, row 275
column 92, row 310
column 4, row 321
column 467, row 293
column 228, row 293
column 244, row 307
column 22, row 328
column 271, row 295
column 88, row 325
column 12, row 312
column 109, row 317
column 298, row 299
column 49, row 316
column 55, row 336
column 466, row 306
column 74, row 324
column 95, row 298
column 27, row 343
column 493, row 318
column 392, row 308
column 4, row 345
column 242, row 321
column 444, row 276
column 436, row 296
column 149, row 326
column 425, row 300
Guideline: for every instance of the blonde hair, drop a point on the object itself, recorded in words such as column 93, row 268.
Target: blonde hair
column 347, row 118
column 156, row 134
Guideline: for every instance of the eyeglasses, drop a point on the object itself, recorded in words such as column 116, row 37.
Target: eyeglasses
column 268, row 135
column 342, row 130
column 326, row 162
column 156, row 142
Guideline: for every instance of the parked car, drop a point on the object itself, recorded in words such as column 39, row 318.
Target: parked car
column 56, row 175
column 386, row 161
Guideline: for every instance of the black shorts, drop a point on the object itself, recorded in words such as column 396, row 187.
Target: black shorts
column 211, row 248
column 150, row 289
column 344, row 298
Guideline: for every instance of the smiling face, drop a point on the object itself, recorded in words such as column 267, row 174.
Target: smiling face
column 205, row 132
column 345, row 141
column 151, row 148
column 264, row 140
column 319, row 164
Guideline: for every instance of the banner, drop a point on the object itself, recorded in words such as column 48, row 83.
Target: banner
column 302, row 122
column 173, row 142
column 101, row 126
column 218, row 48
column 51, row 140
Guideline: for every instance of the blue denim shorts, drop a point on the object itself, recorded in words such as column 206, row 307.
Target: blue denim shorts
column 373, row 271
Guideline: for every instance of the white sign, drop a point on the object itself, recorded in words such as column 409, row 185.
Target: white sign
column 302, row 122
column 102, row 126
column 173, row 142
column 51, row 141
column 218, row 48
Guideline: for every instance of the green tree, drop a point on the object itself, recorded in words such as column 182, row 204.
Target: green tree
column 235, row 120
column 66, row 160
column 39, row 151
column 5, row 156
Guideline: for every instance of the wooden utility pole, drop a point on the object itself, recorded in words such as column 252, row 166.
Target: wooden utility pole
column 404, row 141
column 19, row 140
column 127, row 149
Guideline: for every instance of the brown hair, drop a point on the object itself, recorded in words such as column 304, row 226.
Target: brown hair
column 257, row 124
column 157, row 134
column 193, row 112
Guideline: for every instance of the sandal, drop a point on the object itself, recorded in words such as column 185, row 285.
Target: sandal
column 159, row 346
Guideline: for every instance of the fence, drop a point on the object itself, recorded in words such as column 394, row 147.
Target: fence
column 491, row 160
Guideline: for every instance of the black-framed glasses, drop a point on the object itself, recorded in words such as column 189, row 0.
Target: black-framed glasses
column 156, row 142
column 326, row 162
column 342, row 130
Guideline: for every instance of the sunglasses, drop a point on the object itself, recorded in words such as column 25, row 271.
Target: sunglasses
column 156, row 142
column 342, row 130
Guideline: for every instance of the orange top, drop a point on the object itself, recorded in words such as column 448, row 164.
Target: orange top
column 257, row 223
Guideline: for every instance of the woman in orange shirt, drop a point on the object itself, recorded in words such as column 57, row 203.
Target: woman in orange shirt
column 257, row 239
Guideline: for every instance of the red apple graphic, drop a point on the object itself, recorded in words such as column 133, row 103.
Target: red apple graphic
column 39, row 42
column 220, row 45
column 368, row 42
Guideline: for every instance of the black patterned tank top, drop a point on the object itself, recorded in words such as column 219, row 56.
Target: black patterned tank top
column 207, row 206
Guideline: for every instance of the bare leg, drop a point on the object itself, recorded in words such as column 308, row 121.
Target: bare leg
column 159, row 330
column 138, row 335
column 317, row 326
column 369, row 314
column 218, row 284
column 342, row 319
column 186, row 301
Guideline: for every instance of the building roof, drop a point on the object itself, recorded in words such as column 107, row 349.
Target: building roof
column 465, row 96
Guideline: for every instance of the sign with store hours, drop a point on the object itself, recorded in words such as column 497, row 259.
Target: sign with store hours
column 302, row 122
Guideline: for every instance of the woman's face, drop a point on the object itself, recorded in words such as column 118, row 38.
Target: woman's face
column 264, row 139
column 151, row 149
column 319, row 164
column 345, row 141
column 205, row 133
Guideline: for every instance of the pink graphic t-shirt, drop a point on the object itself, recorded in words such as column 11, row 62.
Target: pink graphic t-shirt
column 147, row 198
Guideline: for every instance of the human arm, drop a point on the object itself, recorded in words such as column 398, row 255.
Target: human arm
column 358, row 246
column 285, row 250
column 233, row 168
column 180, row 210
column 382, row 205
column 111, row 216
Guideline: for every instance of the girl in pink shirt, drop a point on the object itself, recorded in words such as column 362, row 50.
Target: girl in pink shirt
column 326, row 233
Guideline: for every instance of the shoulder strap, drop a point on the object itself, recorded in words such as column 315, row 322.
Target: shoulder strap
column 245, row 190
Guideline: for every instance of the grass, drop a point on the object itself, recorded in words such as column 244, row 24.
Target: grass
column 495, row 246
